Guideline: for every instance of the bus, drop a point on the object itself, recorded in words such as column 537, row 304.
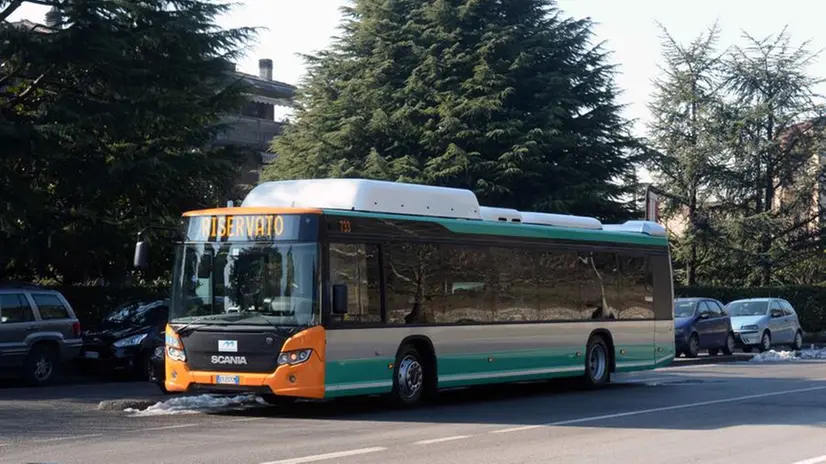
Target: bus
column 324, row 288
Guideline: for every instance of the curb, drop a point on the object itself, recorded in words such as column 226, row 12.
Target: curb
column 711, row 360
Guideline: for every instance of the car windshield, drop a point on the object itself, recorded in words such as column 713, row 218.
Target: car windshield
column 248, row 283
column 683, row 308
column 133, row 314
column 747, row 308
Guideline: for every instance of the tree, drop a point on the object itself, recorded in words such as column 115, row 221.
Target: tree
column 686, row 134
column 774, row 176
column 107, row 115
column 508, row 99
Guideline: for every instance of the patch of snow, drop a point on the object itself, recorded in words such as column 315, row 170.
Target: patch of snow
column 780, row 356
column 192, row 405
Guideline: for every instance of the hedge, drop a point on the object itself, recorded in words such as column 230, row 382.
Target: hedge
column 92, row 303
column 808, row 301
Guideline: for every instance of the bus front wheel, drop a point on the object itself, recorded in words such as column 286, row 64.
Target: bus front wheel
column 408, row 377
column 597, row 363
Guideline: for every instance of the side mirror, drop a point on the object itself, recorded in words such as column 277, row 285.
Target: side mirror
column 339, row 299
column 704, row 315
column 141, row 254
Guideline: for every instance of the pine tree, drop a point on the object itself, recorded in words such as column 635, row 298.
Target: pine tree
column 776, row 174
column 509, row 99
column 107, row 116
column 685, row 131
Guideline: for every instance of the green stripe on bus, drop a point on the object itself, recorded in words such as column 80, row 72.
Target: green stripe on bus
column 374, row 375
column 465, row 226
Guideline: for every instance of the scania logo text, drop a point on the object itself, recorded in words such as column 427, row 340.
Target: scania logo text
column 229, row 359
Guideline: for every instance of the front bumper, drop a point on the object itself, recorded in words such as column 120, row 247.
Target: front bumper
column 109, row 358
column 749, row 338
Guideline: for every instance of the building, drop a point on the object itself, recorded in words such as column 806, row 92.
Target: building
column 259, row 121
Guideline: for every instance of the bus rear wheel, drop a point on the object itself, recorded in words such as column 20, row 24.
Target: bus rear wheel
column 408, row 377
column 597, row 363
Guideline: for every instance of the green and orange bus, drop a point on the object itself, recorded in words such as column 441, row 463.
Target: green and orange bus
column 324, row 288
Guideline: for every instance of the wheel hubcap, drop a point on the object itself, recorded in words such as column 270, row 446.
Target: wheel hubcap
column 42, row 368
column 766, row 342
column 410, row 377
column 730, row 343
column 598, row 362
column 694, row 343
column 797, row 340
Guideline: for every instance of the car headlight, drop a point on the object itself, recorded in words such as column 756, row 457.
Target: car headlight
column 749, row 327
column 129, row 341
column 294, row 357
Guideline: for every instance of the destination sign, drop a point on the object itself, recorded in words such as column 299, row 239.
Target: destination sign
column 251, row 227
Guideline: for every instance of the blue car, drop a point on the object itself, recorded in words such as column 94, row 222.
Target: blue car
column 702, row 324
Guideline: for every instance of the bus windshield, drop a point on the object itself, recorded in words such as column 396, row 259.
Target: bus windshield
column 246, row 283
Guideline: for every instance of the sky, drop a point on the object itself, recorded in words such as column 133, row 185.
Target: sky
column 627, row 27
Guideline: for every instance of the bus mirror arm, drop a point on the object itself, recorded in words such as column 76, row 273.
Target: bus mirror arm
column 339, row 299
column 141, row 259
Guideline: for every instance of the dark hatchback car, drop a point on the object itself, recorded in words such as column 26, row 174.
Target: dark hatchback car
column 127, row 339
column 702, row 323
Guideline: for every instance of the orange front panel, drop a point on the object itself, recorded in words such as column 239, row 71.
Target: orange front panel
column 303, row 380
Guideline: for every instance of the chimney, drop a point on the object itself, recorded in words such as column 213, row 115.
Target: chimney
column 265, row 69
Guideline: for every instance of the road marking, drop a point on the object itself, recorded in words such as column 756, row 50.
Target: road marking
column 816, row 460
column 75, row 437
column 321, row 457
column 439, row 440
column 665, row 408
column 181, row 426
column 245, row 419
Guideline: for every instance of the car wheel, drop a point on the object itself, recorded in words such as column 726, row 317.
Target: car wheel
column 798, row 341
column 765, row 341
column 597, row 363
column 728, row 348
column 408, row 377
column 693, row 346
column 41, row 365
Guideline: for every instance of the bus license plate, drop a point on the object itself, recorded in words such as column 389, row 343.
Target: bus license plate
column 228, row 379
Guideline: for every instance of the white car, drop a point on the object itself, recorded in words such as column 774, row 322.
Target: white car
column 764, row 323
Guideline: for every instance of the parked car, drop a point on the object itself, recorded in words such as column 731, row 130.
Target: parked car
column 39, row 332
column 127, row 339
column 764, row 323
column 701, row 323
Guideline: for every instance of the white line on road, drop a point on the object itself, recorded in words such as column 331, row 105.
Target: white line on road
column 666, row 408
column 816, row 460
column 245, row 419
column 74, row 437
column 321, row 457
column 181, row 426
column 439, row 440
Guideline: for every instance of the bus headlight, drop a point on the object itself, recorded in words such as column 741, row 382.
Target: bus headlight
column 176, row 354
column 174, row 348
column 294, row 357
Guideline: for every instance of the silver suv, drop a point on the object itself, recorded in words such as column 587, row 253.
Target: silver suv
column 38, row 332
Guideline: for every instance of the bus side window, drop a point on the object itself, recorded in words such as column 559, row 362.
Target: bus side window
column 356, row 265
column 415, row 283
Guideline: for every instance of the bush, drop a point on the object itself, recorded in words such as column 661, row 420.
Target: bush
column 92, row 303
column 808, row 301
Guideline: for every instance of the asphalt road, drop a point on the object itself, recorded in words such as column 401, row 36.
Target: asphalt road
column 756, row 413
